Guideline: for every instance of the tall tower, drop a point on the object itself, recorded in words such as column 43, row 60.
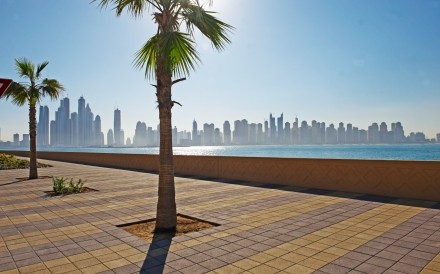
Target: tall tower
column 43, row 127
column 273, row 129
column 226, row 133
column 81, row 121
column 89, row 135
column 195, row 133
column 117, row 127
column 280, row 125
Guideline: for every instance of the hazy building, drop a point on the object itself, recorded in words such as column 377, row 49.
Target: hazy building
column 287, row 131
column 349, row 134
column 81, row 121
column 355, row 135
column 280, row 126
column 128, row 142
column 304, row 136
column 273, row 130
column 16, row 138
column 331, row 135
column 140, row 135
column 373, row 134
column 252, row 134
column 226, row 133
column 295, row 133
column 195, row 135
column 383, row 133
column 110, row 138
column 217, row 137
column 119, row 140
column 266, row 132
column 438, row 137
column 99, row 136
column 74, row 128
column 89, row 134
column 363, row 136
column 26, row 141
column 43, row 127
column 174, row 136
column 341, row 133
column 208, row 134
column 260, row 134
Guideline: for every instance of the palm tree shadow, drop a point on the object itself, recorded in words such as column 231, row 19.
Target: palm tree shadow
column 157, row 253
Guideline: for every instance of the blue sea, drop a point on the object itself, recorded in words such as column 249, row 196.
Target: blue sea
column 427, row 152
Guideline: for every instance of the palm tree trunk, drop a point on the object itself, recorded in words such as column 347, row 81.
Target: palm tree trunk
column 166, row 218
column 33, row 173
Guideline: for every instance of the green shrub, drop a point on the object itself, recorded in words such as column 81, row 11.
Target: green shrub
column 60, row 187
column 8, row 161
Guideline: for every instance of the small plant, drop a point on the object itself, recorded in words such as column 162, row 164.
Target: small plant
column 8, row 161
column 60, row 187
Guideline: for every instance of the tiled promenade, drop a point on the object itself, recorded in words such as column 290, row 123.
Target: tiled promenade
column 264, row 228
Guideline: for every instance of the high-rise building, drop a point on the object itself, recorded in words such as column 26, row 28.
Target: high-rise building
column 280, row 126
column 43, row 127
column 287, row 132
column 273, row 129
column 349, row 134
column 252, row 134
column 341, row 133
column 117, row 127
column 140, row 135
column 195, row 134
column 304, row 133
column 217, row 137
column 25, row 142
column 89, row 134
column 74, row 128
column 98, row 135
column 383, row 133
column 110, row 138
column 16, row 139
column 260, row 135
column 331, row 135
column 81, row 121
column 226, row 133
column 208, row 134
column 373, row 134
column 266, row 132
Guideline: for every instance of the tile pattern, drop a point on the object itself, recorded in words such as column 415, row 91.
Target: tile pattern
column 264, row 228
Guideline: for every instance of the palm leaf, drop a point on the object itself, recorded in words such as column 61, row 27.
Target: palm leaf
column 40, row 68
column 18, row 93
column 25, row 68
column 52, row 88
column 134, row 7
column 211, row 27
column 179, row 53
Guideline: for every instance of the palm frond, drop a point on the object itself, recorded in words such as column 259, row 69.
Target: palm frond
column 180, row 55
column 133, row 7
column 18, row 93
column 211, row 27
column 52, row 88
column 25, row 68
column 40, row 68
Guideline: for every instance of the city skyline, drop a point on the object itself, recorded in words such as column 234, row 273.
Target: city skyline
column 352, row 61
column 83, row 129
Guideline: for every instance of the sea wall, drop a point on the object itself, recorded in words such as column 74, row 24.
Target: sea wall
column 405, row 179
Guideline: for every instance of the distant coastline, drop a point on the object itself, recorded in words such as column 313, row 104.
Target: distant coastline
column 423, row 152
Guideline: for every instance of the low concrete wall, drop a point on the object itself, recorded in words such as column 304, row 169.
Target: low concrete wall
column 406, row 179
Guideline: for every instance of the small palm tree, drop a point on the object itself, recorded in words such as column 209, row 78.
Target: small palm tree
column 168, row 54
column 32, row 92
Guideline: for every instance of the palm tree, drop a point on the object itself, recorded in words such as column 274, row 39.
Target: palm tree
column 32, row 92
column 168, row 54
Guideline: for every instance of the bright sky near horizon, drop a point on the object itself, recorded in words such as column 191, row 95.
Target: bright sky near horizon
column 345, row 61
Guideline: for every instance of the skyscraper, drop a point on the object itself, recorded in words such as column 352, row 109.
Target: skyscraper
column 88, row 130
column 43, row 127
column 227, row 133
column 117, row 128
column 280, row 125
column 99, row 136
column 273, row 129
column 110, row 138
column 195, row 134
column 81, row 121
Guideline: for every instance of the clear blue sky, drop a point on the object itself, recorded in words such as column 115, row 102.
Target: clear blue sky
column 333, row 61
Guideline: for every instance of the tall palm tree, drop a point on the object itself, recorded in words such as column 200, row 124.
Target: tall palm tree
column 32, row 92
column 168, row 54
